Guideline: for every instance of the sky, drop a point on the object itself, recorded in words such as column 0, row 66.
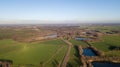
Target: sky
column 59, row 10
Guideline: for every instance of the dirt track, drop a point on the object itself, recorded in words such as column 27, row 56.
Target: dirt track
column 66, row 57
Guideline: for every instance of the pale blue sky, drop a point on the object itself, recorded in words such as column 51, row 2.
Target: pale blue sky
column 82, row 10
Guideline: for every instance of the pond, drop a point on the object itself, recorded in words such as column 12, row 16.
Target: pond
column 51, row 36
column 88, row 52
column 105, row 64
column 81, row 38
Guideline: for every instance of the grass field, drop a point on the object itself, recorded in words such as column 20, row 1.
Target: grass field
column 76, row 42
column 107, row 44
column 9, row 33
column 104, row 28
column 48, row 53
column 74, row 60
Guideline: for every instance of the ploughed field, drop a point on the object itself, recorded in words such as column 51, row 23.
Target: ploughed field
column 48, row 54
column 110, row 44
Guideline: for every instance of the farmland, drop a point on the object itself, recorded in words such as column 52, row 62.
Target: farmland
column 76, row 42
column 74, row 60
column 34, row 54
column 104, row 28
column 34, row 46
column 108, row 44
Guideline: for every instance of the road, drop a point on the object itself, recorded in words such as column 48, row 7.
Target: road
column 67, row 55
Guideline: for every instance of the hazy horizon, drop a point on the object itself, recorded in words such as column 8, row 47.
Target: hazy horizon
column 55, row 22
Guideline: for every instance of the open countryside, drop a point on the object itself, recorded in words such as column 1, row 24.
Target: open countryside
column 59, row 33
column 62, row 47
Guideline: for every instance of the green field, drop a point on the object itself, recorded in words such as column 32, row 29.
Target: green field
column 48, row 53
column 10, row 33
column 74, row 60
column 104, row 28
column 108, row 43
column 76, row 42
